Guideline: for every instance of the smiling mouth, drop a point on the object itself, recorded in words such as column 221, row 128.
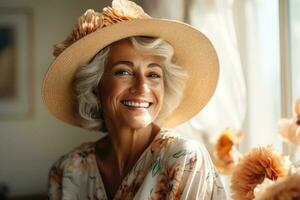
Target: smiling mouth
column 135, row 104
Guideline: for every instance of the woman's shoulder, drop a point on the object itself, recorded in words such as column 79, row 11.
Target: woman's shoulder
column 176, row 150
column 82, row 152
column 170, row 140
column 173, row 146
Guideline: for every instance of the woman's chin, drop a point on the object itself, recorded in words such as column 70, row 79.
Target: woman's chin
column 139, row 122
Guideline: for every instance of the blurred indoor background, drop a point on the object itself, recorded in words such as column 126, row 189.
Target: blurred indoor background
column 257, row 42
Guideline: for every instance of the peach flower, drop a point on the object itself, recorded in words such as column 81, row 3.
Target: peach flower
column 289, row 130
column 226, row 154
column 90, row 21
column 259, row 164
column 286, row 188
column 260, row 188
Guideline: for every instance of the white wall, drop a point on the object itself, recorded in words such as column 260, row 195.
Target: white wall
column 29, row 146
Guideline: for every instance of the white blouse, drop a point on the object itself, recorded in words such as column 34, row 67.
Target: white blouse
column 170, row 168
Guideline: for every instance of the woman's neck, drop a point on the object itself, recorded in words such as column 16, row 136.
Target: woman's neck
column 125, row 145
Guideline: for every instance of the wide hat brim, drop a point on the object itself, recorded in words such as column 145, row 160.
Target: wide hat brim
column 193, row 51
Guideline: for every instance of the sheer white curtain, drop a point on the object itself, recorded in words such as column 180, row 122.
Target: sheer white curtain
column 258, row 27
column 214, row 18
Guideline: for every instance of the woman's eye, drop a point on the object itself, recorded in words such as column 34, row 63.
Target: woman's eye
column 154, row 75
column 122, row 73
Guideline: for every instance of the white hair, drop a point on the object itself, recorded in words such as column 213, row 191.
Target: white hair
column 88, row 76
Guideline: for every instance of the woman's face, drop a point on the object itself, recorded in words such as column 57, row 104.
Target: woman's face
column 131, row 89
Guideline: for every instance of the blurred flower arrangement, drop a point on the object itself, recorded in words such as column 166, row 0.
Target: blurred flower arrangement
column 286, row 188
column 263, row 174
column 260, row 164
column 226, row 154
column 289, row 129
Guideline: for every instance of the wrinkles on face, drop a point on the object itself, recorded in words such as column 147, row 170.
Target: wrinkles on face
column 131, row 89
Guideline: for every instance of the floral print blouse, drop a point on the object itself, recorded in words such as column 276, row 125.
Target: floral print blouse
column 170, row 168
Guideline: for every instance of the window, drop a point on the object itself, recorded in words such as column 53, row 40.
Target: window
column 294, row 35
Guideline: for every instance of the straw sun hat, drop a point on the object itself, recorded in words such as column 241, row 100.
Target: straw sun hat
column 96, row 30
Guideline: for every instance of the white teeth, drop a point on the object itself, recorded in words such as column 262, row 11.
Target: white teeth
column 136, row 104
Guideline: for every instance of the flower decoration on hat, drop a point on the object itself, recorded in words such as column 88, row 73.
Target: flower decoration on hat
column 289, row 129
column 252, row 170
column 128, row 9
column 226, row 154
column 90, row 21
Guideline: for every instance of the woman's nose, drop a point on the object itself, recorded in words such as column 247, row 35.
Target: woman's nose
column 140, row 84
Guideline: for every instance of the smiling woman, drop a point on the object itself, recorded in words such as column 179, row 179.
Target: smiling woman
column 131, row 79
column 162, row 68
column 118, row 74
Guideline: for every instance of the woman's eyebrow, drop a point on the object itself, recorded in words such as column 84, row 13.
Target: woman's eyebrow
column 130, row 64
column 155, row 65
column 124, row 62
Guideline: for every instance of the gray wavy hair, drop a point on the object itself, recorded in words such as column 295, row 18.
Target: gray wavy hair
column 88, row 76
